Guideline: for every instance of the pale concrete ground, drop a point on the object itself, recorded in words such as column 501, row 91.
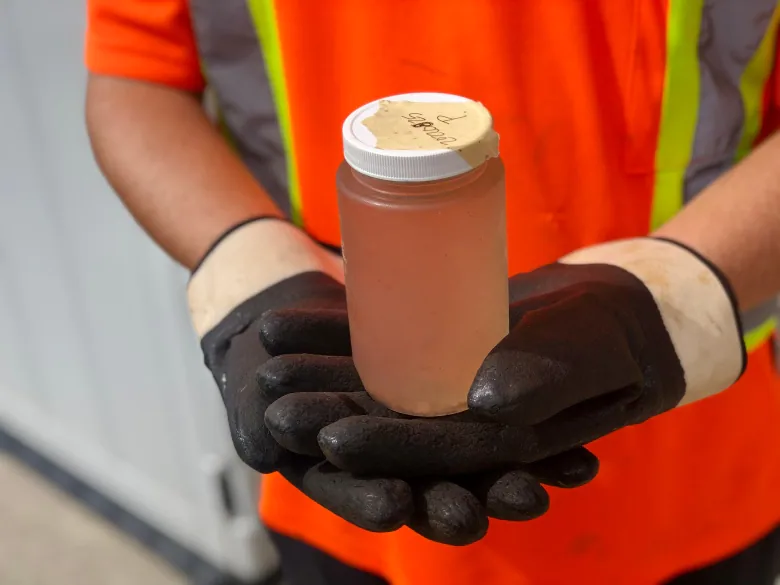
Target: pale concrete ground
column 47, row 538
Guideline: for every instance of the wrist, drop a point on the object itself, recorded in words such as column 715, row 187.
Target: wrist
column 695, row 302
column 248, row 259
column 709, row 245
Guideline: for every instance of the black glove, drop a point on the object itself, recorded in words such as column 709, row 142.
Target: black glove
column 255, row 267
column 233, row 305
column 234, row 354
column 608, row 337
column 452, row 508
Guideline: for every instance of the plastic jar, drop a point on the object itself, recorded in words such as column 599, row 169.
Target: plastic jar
column 423, row 224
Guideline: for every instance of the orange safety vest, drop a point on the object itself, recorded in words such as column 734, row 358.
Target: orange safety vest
column 612, row 115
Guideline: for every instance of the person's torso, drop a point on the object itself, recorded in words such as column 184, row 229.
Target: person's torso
column 612, row 115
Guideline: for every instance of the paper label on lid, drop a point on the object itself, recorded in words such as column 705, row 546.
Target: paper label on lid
column 463, row 127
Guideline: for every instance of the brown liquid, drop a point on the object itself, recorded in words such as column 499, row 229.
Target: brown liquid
column 426, row 278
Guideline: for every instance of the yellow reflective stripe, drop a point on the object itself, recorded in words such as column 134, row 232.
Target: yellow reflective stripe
column 263, row 15
column 758, row 335
column 679, row 111
column 752, row 83
column 667, row 196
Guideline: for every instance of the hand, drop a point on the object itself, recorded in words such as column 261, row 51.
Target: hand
column 451, row 509
column 228, row 293
column 606, row 338
column 287, row 295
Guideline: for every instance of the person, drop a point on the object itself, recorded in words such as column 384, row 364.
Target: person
column 617, row 120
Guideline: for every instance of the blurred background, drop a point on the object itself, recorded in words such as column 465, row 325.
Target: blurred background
column 115, row 462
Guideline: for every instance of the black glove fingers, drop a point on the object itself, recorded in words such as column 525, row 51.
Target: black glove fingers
column 574, row 427
column 585, row 422
column 513, row 495
column 375, row 504
column 570, row 469
column 307, row 373
column 373, row 445
column 447, row 513
column 245, row 405
column 296, row 419
column 557, row 356
column 251, row 438
column 296, row 467
column 315, row 331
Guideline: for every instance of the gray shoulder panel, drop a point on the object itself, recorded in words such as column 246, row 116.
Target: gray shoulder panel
column 731, row 32
column 234, row 67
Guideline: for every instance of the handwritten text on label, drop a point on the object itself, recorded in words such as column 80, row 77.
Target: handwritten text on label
column 419, row 121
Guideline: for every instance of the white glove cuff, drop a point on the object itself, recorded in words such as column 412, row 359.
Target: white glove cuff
column 249, row 260
column 694, row 303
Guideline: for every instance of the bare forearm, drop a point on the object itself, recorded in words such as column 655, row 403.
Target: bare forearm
column 735, row 223
column 170, row 167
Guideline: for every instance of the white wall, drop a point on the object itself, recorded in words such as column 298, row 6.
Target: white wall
column 99, row 368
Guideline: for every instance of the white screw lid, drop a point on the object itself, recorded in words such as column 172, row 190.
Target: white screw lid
column 417, row 137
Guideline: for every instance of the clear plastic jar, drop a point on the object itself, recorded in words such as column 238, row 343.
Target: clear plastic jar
column 426, row 273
